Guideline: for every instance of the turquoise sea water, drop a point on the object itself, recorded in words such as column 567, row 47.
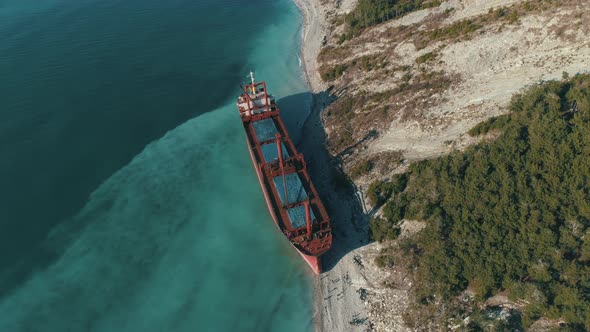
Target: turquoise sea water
column 128, row 201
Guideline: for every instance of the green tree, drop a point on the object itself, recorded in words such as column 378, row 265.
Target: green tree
column 509, row 214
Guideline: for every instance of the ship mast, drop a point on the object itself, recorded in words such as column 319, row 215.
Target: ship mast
column 253, row 85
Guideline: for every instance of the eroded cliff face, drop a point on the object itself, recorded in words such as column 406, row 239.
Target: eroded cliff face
column 410, row 88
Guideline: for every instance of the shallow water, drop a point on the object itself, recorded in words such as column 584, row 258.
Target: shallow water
column 129, row 201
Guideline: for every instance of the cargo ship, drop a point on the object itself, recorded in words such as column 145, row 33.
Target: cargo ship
column 291, row 197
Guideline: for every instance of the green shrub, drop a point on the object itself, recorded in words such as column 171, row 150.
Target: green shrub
column 368, row 13
column 380, row 191
column 395, row 210
column 494, row 123
column 362, row 168
column 513, row 213
column 428, row 57
column 399, row 181
column 384, row 260
column 512, row 17
column 329, row 74
column 456, row 30
column 370, row 62
column 381, row 230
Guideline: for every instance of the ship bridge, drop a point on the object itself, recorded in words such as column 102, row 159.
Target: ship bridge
column 255, row 99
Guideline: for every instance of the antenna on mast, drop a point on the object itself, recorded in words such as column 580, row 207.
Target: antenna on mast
column 252, row 86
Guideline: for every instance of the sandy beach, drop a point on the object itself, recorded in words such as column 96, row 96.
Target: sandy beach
column 314, row 30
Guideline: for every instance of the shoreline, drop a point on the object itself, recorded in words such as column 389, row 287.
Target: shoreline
column 337, row 292
column 354, row 294
column 313, row 29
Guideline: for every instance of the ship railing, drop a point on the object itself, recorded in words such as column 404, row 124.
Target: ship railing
column 258, row 116
column 253, row 90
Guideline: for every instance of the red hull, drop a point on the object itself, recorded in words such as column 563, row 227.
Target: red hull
column 295, row 208
column 313, row 261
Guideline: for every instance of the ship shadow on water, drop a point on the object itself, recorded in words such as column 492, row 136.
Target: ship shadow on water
column 343, row 201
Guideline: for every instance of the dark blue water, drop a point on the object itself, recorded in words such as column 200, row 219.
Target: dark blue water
column 87, row 84
column 121, row 155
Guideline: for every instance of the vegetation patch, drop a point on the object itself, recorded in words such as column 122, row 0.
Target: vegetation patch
column 331, row 53
column 362, row 168
column 432, row 81
column 385, row 260
column 375, row 111
column 457, row 31
column 508, row 215
column 377, row 164
column 464, row 29
column 365, row 63
column 370, row 62
column 425, row 58
column 368, row 13
column 332, row 73
column 510, row 15
column 494, row 123
column 380, row 230
column 380, row 191
column 386, row 161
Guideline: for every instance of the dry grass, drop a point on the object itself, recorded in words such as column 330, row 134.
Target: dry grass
column 354, row 117
column 376, row 165
column 407, row 87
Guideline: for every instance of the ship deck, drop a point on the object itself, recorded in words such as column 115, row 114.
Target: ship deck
column 265, row 132
column 282, row 172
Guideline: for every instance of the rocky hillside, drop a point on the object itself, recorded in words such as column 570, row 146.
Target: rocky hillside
column 410, row 79
column 410, row 82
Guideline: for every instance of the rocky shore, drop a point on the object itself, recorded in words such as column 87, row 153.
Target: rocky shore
column 340, row 292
